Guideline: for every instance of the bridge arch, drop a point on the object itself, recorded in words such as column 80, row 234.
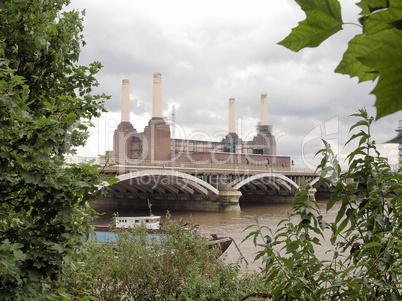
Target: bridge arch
column 277, row 181
column 167, row 183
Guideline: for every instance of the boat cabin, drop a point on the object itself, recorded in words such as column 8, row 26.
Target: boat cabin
column 151, row 222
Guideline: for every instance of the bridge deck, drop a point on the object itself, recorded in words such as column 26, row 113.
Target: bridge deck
column 193, row 167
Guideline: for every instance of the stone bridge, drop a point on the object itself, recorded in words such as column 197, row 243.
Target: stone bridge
column 207, row 187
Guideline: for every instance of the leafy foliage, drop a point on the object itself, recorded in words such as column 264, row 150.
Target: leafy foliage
column 323, row 20
column 375, row 53
column 176, row 265
column 366, row 234
column 44, row 100
column 293, row 272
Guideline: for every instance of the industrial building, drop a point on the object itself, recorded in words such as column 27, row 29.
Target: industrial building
column 155, row 143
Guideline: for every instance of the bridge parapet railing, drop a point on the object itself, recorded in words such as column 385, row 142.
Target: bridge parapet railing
column 134, row 164
column 196, row 165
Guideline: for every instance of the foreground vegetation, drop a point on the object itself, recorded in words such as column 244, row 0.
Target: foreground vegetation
column 366, row 234
column 45, row 100
column 178, row 265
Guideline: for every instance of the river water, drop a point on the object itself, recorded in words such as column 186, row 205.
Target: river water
column 233, row 224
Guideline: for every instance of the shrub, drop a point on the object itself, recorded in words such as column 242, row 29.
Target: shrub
column 175, row 265
column 366, row 234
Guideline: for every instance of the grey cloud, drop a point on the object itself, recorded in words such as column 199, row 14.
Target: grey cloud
column 205, row 64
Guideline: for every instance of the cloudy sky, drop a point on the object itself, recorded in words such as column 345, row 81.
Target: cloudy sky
column 210, row 51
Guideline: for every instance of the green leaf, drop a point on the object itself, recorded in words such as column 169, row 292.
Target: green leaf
column 373, row 244
column 331, row 203
column 350, row 65
column 361, row 133
column 18, row 254
column 59, row 248
column 369, row 6
column 387, row 59
column 341, row 213
column 359, row 123
column 384, row 19
column 341, row 227
column 323, row 19
column 24, row 147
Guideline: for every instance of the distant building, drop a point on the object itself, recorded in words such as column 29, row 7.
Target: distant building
column 156, row 144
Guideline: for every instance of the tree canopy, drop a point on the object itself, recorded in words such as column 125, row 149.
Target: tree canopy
column 45, row 105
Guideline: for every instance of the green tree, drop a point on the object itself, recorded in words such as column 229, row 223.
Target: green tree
column 45, row 98
column 373, row 54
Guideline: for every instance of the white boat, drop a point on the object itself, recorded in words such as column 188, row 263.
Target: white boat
column 151, row 222
column 106, row 234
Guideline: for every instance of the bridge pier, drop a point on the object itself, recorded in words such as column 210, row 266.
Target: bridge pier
column 229, row 195
column 228, row 199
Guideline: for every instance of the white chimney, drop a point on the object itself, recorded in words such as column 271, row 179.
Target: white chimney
column 232, row 116
column 157, row 96
column 125, row 101
column 264, row 110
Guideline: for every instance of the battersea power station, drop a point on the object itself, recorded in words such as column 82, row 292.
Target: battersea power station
column 195, row 174
column 155, row 143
